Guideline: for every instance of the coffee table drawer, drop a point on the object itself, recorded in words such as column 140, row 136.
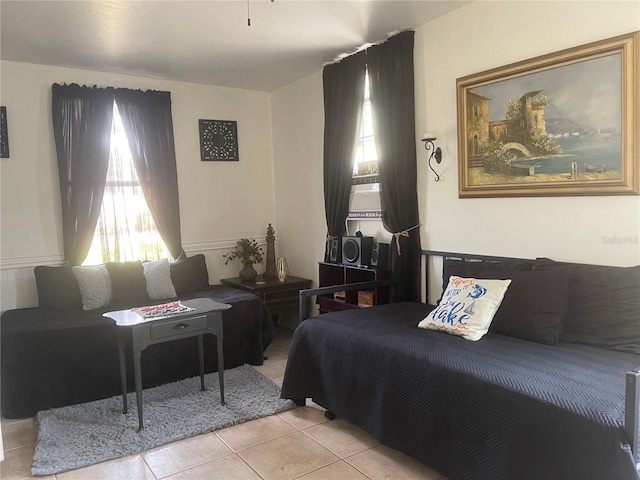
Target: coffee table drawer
column 176, row 327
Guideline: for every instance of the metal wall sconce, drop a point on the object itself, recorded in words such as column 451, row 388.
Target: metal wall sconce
column 436, row 153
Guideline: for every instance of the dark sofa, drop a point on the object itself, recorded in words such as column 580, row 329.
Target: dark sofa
column 60, row 354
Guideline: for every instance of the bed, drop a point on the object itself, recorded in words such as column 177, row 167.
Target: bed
column 502, row 407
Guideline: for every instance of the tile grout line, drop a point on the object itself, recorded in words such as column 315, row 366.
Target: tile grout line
column 18, row 447
column 222, row 440
column 279, row 416
column 259, row 443
column 247, row 464
column 345, row 458
column 15, row 422
column 296, row 427
column 320, row 468
column 148, row 466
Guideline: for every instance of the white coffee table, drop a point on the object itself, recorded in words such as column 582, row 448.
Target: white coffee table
column 206, row 318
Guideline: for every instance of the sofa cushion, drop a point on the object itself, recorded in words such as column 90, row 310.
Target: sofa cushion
column 158, row 277
column 462, row 268
column 535, row 305
column 470, row 268
column 467, row 308
column 128, row 284
column 95, row 286
column 190, row 274
column 604, row 305
column 57, row 287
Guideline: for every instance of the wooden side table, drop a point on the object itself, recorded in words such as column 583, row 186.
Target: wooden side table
column 277, row 296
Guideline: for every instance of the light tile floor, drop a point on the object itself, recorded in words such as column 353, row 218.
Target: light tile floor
column 297, row 444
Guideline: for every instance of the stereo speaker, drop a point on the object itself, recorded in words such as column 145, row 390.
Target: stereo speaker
column 335, row 250
column 380, row 255
column 356, row 250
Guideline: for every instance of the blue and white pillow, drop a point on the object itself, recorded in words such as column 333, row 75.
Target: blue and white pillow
column 467, row 307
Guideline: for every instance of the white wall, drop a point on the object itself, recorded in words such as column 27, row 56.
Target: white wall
column 298, row 126
column 485, row 35
column 219, row 201
column 477, row 37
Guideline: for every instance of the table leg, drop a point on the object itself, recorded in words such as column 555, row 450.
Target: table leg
column 219, row 338
column 201, row 357
column 123, row 369
column 137, row 373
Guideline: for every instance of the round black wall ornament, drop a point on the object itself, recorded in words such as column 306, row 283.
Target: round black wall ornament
column 219, row 140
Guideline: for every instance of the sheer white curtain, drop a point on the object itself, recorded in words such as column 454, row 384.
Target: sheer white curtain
column 366, row 159
column 126, row 230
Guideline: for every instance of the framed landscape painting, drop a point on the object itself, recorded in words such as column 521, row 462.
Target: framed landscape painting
column 561, row 124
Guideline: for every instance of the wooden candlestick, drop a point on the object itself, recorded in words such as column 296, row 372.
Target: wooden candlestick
column 270, row 267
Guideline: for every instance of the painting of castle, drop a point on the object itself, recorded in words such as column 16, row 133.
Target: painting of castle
column 561, row 125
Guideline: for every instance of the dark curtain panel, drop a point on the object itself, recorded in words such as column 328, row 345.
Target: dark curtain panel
column 392, row 103
column 82, row 130
column 343, row 96
column 146, row 117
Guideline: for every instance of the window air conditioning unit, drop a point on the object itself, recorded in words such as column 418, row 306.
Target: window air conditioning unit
column 364, row 201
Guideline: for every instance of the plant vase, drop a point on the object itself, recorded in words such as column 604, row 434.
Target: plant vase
column 248, row 273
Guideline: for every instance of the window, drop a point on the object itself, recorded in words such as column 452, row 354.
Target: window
column 366, row 159
column 364, row 200
column 126, row 230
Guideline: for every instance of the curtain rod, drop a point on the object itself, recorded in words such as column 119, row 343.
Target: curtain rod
column 365, row 46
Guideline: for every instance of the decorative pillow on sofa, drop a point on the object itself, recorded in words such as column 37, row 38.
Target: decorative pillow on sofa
column 128, row 284
column 95, row 286
column 535, row 306
column 158, row 277
column 57, row 287
column 468, row 305
column 190, row 274
column 604, row 305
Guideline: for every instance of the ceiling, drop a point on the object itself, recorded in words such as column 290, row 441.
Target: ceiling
column 206, row 42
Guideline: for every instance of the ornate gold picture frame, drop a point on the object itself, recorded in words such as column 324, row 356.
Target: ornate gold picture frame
column 566, row 123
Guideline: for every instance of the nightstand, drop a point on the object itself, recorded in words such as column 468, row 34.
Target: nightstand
column 277, row 296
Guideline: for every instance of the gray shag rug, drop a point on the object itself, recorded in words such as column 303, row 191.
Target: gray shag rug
column 81, row 435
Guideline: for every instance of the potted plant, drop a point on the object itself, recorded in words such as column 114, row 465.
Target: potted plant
column 249, row 252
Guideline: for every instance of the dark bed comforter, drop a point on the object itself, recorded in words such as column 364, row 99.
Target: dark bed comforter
column 499, row 408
